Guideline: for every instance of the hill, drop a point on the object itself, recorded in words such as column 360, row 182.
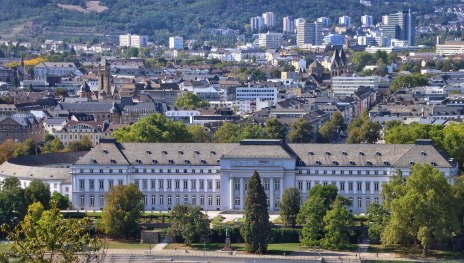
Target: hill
column 161, row 18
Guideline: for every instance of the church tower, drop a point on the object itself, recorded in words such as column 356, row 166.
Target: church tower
column 104, row 79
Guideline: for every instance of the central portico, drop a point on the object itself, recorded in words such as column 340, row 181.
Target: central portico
column 275, row 165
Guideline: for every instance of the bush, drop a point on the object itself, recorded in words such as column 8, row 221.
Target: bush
column 285, row 235
column 218, row 234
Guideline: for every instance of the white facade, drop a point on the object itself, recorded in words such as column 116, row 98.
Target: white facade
column 288, row 24
column 270, row 40
column 347, row 86
column 130, row 40
column 257, row 23
column 214, row 176
column 344, row 20
column 176, row 42
column 256, row 93
column 450, row 48
column 367, row 21
column 325, row 21
column 269, row 19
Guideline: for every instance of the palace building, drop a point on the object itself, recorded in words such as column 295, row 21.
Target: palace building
column 214, row 175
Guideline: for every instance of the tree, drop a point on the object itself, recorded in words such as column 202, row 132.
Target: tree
column 37, row 191
column 251, row 131
column 328, row 193
column 189, row 223
column 311, row 217
column 62, row 202
column 290, row 206
column 337, row 120
column 45, row 236
column 275, row 129
column 124, row 206
column 256, row 229
column 363, row 130
column 328, row 131
column 301, row 131
column 61, row 92
column 199, row 133
column 12, row 201
column 425, row 211
column 154, row 128
column 227, row 133
column 54, row 145
column 190, row 100
column 83, row 145
column 25, row 148
column 377, row 218
column 408, row 81
column 337, row 226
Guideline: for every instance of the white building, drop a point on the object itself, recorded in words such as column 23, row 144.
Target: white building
column 176, row 42
column 270, row 40
column 450, row 48
column 309, row 33
column 257, row 23
column 325, row 21
column 130, row 40
column 269, row 19
column 256, row 93
column 344, row 20
column 55, row 69
column 288, row 24
column 334, row 39
column 367, row 21
column 347, row 86
column 214, row 175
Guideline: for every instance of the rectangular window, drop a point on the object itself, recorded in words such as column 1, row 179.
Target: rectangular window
column 218, row 185
column 91, row 184
column 376, row 186
column 177, row 199
column 177, row 184
column 202, row 184
column 350, row 186
column 376, row 200
column 325, row 183
column 120, row 171
column 102, row 200
column 153, row 183
column 185, row 184
column 82, row 184
column 277, row 185
column 237, row 201
column 194, row 200
column 161, row 199
column 144, row 183
column 153, row 199
column 300, row 185
column 359, row 202
column 210, row 184
column 120, row 182
column 368, row 186
column 193, row 184
column 308, row 185
column 202, row 200
column 266, row 184
column 92, row 200
column 82, row 201
column 186, row 199
column 342, row 186
column 218, row 200
column 101, row 184
column 358, row 186
column 169, row 184
column 161, row 184
column 169, row 200
column 145, row 199
column 237, row 184
column 210, row 200
column 101, row 171
column 110, row 184
column 137, row 183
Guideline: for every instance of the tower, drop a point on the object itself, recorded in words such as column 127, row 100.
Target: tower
column 104, row 79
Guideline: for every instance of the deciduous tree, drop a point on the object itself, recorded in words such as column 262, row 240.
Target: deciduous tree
column 199, row 133
column 275, row 129
column 190, row 100
column 189, row 223
column 37, row 191
column 311, row 218
column 290, row 206
column 12, row 201
column 337, row 226
column 301, row 131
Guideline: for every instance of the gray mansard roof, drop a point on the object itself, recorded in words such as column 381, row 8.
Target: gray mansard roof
column 376, row 155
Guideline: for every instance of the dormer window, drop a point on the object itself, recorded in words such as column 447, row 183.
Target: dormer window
column 181, row 152
column 352, row 163
column 148, row 152
column 171, row 161
column 335, row 163
column 433, row 163
column 203, row 161
column 378, row 153
column 387, row 163
column 369, row 163
column 187, row 161
column 113, row 161
column 310, row 153
column 165, row 152
column 93, row 161
column 328, row 153
column 411, row 162
column 154, row 161
column 344, row 153
column 105, row 151
column 138, row 161
column 218, row 161
column 362, row 153
column 197, row 152
column 423, row 153
column 213, row 152
column 318, row 162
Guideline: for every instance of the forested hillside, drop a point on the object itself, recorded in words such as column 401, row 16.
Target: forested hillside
column 159, row 18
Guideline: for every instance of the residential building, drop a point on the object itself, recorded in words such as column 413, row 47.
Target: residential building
column 130, row 40
column 309, row 33
column 214, row 176
column 176, row 42
column 325, row 21
column 288, row 24
column 343, row 86
column 257, row 23
column 367, row 21
column 270, row 40
column 334, row 40
column 74, row 131
column 19, row 127
column 344, row 20
column 269, row 19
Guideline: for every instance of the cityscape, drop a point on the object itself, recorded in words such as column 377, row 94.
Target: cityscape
column 231, row 131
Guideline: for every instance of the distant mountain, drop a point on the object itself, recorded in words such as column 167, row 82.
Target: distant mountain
column 161, row 18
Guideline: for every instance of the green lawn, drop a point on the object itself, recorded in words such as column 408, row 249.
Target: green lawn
column 416, row 251
column 276, row 249
column 4, row 247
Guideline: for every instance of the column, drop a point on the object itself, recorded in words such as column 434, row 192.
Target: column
column 242, row 189
column 271, row 194
column 281, row 185
column 231, row 193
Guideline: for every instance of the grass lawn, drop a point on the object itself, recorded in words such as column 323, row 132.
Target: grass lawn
column 4, row 247
column 416, row 251
column 114, row 244
column 275, row 249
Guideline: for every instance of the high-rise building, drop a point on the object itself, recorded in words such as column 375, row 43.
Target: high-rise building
column 176, row 42
column 288, row 24
column 257, row 23
column 270, row 40
column 325, row 21
column 402, row 26
column 269, row 19
column 367, row 21
column 385, row 20
column 129, row 40
column 344, row 20
column 298, row 22
column 309, row 33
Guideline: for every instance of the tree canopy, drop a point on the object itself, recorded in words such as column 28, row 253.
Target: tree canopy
column 190, row 100
column 301, row 131
column 290, row 206
column 408, row 81
column 189, row 223
column 38, row 191
column 363, row 130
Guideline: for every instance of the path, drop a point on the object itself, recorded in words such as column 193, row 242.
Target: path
column 364, row 246
column 161, row 245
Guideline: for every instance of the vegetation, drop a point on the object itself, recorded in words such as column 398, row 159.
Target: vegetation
column 45, row 236
column 61, row 201
column 229, row 132
column 422, row 209
column 37, row 191
column 199, row 133
column 256, row 229
column 189, row 223
column 123, row 207
column 330, row 129
column 363, row 130
column 408, row 81
column 12, row 201
column 337, row 226
column 301, row 131
column 290, row 206
column 275, row 129
column 190, row 100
